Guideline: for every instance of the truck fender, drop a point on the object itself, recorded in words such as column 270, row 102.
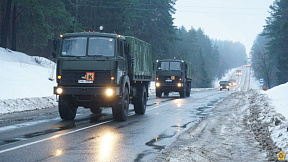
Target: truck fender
column 123, row 81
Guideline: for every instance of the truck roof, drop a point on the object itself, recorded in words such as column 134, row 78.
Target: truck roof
column 93, row 34
column 176, row 60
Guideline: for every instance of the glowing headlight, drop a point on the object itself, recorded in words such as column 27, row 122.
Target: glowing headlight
column 157, row 84
column 179, row 84
column 109, row 92
column 59, row 91
column 227, row 86
column 221, row 87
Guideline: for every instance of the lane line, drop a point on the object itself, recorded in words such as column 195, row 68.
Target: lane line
column 77, row 130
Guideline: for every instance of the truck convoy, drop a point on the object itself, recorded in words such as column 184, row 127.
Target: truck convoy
column 173, row 76
column 96, row 70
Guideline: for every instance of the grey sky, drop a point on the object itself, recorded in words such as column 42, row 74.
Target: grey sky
column 235, row 20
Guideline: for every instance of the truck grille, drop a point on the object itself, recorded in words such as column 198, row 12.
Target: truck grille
column 72, row 77
column 162, row 80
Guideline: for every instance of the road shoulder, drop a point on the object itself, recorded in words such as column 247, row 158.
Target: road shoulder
column 229, row 133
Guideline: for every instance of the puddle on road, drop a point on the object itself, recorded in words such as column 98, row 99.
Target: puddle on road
column 205, row 110
column 200, row 113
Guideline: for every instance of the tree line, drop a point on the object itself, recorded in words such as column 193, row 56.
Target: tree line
column 270, row 49
column 34, row 26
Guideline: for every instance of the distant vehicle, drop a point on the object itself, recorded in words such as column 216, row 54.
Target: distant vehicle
column 96, row 70
column 173, row 76
column 232, row 82
column 224, row 85
column 238, row 72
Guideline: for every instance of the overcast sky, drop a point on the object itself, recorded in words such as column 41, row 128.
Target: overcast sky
column 235, row 20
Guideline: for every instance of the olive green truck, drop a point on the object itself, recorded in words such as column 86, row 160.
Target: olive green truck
column 96, row 70
column 173, row 76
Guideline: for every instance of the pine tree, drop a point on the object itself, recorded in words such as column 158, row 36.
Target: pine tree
column 277, row 30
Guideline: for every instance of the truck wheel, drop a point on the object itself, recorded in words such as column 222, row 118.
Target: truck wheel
column 120, row 110
column 67, row 109
column 188, row 91
column 140, row 104
column 166, row 93
column 158, row 93
column 96, row 109
column 182, row 93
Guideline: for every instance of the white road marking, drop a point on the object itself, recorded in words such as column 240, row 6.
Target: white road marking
column 77, row 130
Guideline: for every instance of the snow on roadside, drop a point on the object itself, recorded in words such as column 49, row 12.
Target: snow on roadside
column 26, row 82
column 278, row 114
column 25, row 104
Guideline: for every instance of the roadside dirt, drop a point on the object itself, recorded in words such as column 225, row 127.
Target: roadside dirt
column 232, row 133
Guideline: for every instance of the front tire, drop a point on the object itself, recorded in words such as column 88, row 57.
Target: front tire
column 67, row 109
column 183, row 93
column 158, row 93
column 140, row 104
column 166, row 93
column 121, row 108
column 188, row 92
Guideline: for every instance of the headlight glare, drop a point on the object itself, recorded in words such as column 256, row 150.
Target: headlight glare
column 179, row 84
column 157, row 84
column 109, row 92
column 59, row 90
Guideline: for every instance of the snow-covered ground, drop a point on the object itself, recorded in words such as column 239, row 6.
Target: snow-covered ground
column 26, row 83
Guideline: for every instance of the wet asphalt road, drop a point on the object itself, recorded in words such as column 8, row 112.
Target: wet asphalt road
column 45, row 137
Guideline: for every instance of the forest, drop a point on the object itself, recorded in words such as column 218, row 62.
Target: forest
column 269, row 52
column 34, row 26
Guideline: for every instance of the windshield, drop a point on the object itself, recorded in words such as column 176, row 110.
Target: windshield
column 74, row 46
column 98, row 46
column 169, row 65
column 101, row 46
column 224, row 82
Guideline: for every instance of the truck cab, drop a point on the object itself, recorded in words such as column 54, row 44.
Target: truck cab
column 173, row 76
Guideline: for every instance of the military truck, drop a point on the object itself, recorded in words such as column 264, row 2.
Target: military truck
column 96, row 70
column 173, row 76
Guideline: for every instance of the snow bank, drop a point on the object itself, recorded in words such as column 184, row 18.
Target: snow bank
column 279, row 98
column 26, row 82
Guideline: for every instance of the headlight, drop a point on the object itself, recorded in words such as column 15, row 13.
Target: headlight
column 59, row 90
column 109, row 92
column 227, row 86
column 157, row 84
column 179, row 84
column 221, row 87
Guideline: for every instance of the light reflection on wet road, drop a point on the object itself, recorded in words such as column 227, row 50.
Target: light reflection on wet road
column 140, row 138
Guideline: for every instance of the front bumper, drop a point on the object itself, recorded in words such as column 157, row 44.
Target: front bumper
column 169, row 87
column 87, row 90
